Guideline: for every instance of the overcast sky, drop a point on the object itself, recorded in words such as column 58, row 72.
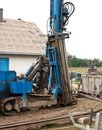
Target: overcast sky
column 85, row 24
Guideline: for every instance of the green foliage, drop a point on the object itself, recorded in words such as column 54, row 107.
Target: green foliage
column 77, row 62
column 76, row 128
column 48, row 126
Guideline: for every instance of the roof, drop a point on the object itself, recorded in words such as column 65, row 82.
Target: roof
column 21, row 38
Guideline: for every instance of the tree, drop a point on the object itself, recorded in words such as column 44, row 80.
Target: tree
column 77, row 62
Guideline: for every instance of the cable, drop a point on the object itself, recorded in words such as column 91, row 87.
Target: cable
column 71, row 8
column 54, row 23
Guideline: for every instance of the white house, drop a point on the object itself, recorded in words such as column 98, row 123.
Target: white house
column 20, row 43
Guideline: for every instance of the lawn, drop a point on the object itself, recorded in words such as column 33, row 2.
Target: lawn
column 82, row 69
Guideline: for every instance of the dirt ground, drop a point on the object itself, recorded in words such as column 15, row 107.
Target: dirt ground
column 83, row 105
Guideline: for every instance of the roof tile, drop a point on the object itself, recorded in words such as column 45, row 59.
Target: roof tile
column 21, row 37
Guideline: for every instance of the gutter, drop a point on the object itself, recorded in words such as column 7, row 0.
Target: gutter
column 22, row 54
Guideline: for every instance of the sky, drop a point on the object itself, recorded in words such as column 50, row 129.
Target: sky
column 85, row 24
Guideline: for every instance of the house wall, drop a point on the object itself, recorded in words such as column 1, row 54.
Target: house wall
column 20, row 63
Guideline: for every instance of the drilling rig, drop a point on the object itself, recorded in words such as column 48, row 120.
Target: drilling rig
column 56, row 51
column 49, row 71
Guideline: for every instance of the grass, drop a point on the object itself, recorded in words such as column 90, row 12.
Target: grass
column 57, row 127
column 49, row 126
column 82, row 69
column 76, row 128
column 78, row 69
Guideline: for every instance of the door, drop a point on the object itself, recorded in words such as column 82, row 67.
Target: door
column 4, row 64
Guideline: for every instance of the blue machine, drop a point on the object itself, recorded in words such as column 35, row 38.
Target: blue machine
column 59, row 15
column 11, row 87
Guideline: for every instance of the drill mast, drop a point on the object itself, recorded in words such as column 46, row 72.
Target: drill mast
column 56, row 51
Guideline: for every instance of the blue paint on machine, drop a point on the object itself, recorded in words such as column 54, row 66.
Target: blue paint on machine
column 9, row 85
column 21, row 87
column 5, row 78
